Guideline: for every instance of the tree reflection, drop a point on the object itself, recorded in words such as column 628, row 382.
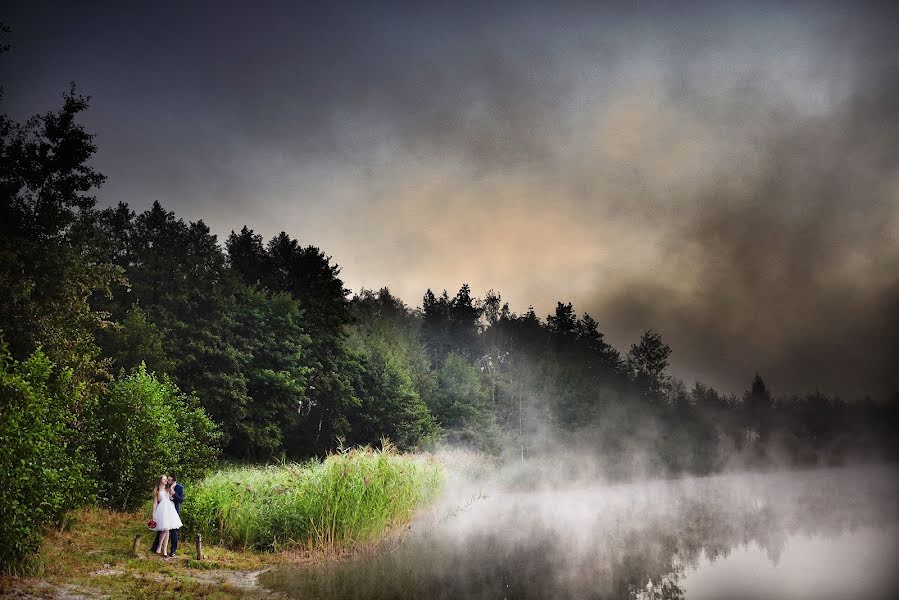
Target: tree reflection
column 639, row 545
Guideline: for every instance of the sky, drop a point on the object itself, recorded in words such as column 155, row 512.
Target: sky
column 726, row 174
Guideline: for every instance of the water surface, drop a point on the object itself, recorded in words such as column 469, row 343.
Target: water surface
column 829, row 533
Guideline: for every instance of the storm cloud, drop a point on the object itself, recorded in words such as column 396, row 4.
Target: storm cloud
column 725, row 175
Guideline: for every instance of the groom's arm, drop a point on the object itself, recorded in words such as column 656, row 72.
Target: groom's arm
column 179, row 494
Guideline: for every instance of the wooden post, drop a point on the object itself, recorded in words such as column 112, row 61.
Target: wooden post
column 136, row 544
column 199, row 547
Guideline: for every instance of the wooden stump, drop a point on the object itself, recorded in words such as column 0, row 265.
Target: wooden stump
column 136, row 545
column 199, row 547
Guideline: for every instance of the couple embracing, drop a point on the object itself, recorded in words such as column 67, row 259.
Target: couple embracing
column 168, row 495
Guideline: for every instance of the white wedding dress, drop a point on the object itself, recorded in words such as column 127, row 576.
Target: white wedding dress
column 165, row 515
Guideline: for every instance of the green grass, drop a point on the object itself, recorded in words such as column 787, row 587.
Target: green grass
column 351, row 498
column 91, row 556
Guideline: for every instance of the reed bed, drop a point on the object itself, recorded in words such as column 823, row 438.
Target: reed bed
column 350, row 498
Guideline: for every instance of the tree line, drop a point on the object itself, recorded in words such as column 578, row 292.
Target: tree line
column 136, row 341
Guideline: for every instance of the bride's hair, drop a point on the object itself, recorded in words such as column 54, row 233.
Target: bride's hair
column 159, row 485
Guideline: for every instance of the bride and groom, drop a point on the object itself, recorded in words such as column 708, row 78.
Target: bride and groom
column 168, row 495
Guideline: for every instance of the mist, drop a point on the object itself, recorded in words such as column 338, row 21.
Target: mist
column 520, row 531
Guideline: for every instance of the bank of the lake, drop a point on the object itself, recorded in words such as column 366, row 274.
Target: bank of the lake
column 92, row 556
column 251, row 519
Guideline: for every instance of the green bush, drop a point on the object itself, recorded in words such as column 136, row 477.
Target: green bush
column 46, row 472
column 349, row 498
column 144, row 427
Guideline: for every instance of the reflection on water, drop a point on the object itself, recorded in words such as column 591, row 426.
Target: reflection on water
column 815, row 534
column 855, row 564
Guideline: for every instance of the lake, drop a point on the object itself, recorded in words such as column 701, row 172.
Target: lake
column 825, row 533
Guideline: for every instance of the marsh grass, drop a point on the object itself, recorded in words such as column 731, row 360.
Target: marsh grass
column 350, row 498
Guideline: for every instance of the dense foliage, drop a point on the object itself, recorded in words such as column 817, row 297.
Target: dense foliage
column 47, row 473
column 142, row 427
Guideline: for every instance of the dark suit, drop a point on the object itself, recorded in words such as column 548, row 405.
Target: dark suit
column 177, row 499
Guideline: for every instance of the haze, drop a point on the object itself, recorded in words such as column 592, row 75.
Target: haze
column 526, row 533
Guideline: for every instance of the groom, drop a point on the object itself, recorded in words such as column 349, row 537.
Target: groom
column 177, row 499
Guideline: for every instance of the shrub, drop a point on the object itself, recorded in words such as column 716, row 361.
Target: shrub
column 142, row 427
column 350, row 498
column 45, row 469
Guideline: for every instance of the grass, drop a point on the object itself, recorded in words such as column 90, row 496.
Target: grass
column 303, row 511
column 92, row 556
column 349, row 499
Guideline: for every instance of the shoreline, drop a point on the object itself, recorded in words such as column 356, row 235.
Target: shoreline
column 93, row 558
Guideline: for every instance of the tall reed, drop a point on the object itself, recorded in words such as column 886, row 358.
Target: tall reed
column 351, row 497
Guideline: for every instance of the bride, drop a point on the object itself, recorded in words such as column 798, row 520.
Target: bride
column 164, row 513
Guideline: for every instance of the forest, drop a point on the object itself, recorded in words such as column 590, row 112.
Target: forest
column 134, row 341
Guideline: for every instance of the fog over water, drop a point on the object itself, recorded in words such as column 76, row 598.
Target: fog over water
column 825, row 533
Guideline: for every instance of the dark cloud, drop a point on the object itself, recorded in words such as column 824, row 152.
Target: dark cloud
column 796, row 272
column 725, row 174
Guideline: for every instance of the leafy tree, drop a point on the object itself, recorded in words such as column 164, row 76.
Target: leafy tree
column 385, row 316
column 178, row 275
column 602, row 355
column 723, row 430
column 462, row 405
column 270, row 331
column 48, row 279
column 464, row 317
column 647, row 362
column 307, row 275
column 436, row 326
column 383, row 311
column 390, row 405
column 451, row 325
column 497, row 348
column 142, row 427
column 135, row 340
column 47, row 471
column 248, row 257
column 563, row 323
column 523, row 407
column 579, row 371
column 394, row 382
column 493, row 309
